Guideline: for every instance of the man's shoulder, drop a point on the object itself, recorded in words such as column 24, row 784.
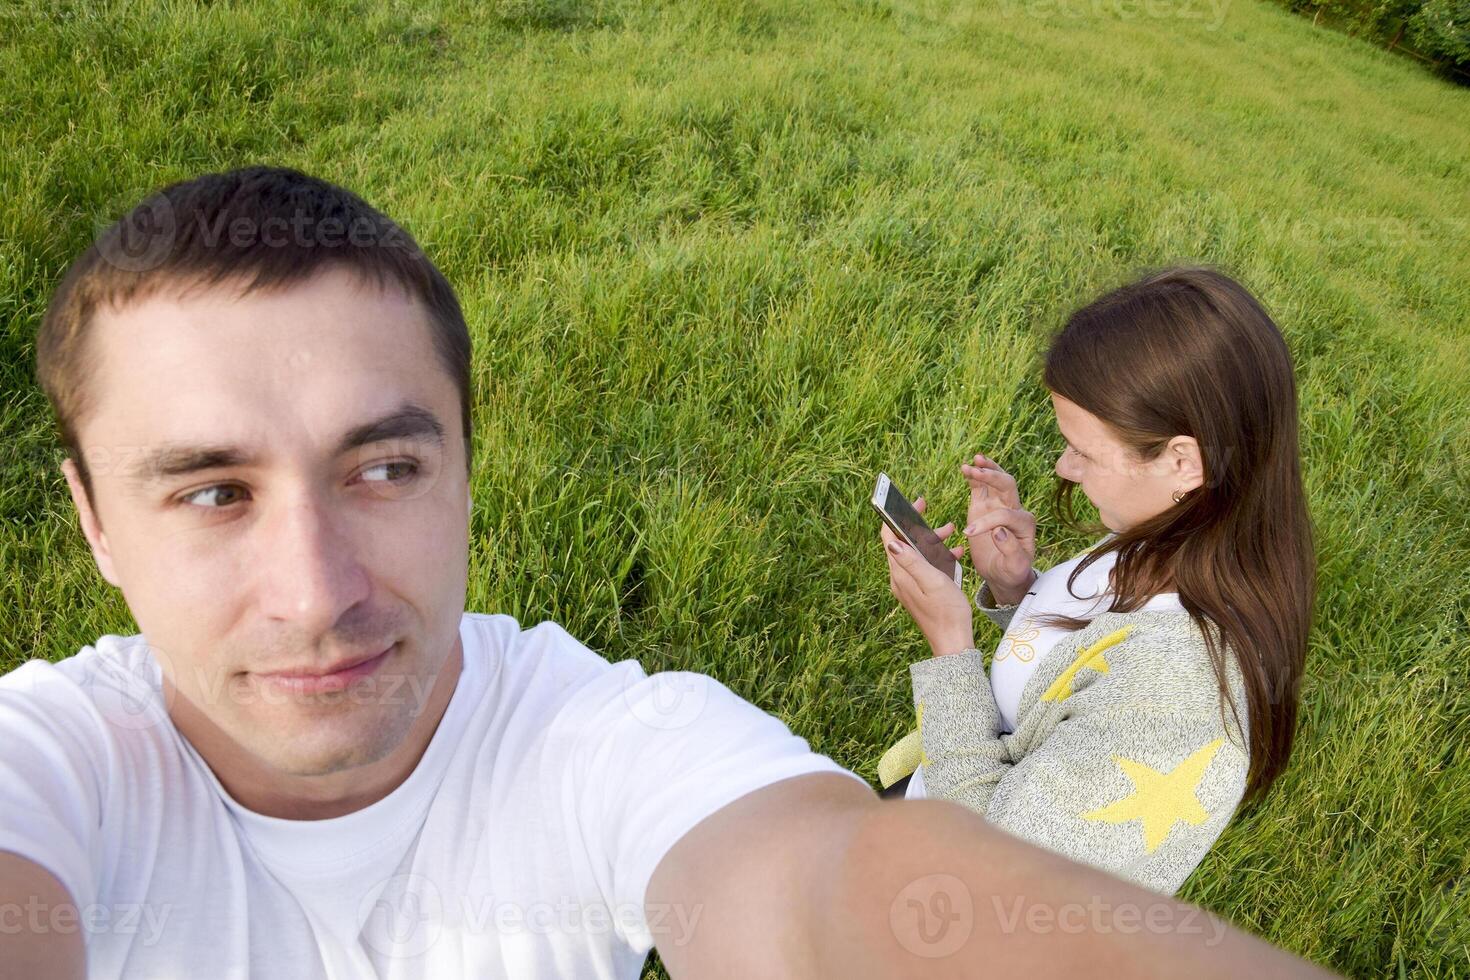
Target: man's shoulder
column 129, row 648
column 68, row 726
column 116, row 678
column 541, row 661
column 544, row 668
column 502, row 638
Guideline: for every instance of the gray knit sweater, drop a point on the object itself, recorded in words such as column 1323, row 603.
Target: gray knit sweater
column 1121, row 757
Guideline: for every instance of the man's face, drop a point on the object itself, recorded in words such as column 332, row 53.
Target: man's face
column 255, row 526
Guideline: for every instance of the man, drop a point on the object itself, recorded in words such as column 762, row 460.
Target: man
column 313, row 762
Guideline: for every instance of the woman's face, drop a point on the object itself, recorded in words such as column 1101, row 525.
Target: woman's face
column 1124, row 490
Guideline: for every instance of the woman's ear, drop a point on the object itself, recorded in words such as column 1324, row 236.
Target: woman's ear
column 1186, row 464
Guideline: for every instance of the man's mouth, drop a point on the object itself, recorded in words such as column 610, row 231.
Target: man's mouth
column 336, row 677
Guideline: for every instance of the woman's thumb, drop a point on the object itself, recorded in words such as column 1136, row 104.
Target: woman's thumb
column 1005, row 541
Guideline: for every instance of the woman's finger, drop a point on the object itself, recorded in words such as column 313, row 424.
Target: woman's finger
column 958, row 551
column 891, row 541
column 981, row 481
column 985, row 465
column 945, row 531
column 1006, row 542
column 900, row 582
column 922, row 578
column 1000, row 517
column 999, row 483
column 984, row 469
column 920, row 504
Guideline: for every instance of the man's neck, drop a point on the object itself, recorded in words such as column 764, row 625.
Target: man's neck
column 267, row 792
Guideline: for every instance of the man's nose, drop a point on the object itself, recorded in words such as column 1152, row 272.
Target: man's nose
column 309, row 571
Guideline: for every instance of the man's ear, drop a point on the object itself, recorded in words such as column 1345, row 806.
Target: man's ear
column 91, row 527
column 1186, row 464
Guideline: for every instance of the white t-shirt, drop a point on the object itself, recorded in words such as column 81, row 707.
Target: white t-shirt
column 1027, row 641
column 520, row 846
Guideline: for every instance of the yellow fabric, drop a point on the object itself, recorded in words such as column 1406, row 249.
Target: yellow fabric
column 901, row 759
column 1092, row 658
column 1160, row 799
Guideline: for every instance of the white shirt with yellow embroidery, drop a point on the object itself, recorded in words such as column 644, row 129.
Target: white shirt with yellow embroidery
column 1027, row 641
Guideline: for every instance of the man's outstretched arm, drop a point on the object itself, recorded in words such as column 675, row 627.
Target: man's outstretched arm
column 814, row 876
column 31, row 897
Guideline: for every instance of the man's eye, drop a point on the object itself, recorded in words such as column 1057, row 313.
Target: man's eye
column 218, row 490
column 406, row 470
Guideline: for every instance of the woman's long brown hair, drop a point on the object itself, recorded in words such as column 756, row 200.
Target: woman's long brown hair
column 1188, row 351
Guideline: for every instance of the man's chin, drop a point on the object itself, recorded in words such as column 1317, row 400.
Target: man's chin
column 326, row 761
column 318, row 747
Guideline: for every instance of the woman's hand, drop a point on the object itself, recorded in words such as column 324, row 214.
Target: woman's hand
column 931, row 597
column 1002, row 535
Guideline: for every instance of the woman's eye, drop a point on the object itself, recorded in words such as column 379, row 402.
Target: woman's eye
column 225, row 489
column 405, row 469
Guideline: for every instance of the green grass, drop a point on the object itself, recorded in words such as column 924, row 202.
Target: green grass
column 724, row 260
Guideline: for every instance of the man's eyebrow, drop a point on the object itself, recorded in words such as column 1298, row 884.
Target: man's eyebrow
column 170, row 461
column 408, row 421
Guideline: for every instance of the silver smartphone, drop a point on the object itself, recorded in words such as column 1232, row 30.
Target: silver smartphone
column 909, row 524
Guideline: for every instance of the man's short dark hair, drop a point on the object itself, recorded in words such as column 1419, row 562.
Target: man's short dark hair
column 258, row 227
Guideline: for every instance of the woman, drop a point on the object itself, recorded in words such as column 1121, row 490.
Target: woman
column 1145, row 687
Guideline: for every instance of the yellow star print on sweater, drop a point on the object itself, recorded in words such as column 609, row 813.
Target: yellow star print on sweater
column 1160, row 799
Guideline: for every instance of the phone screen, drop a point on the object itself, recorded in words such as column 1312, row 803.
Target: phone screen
column 909, row 524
